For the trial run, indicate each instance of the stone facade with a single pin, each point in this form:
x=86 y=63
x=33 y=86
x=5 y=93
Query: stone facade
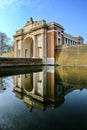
x=39 y=40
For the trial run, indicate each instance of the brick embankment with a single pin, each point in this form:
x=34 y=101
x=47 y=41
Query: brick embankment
x=7 y=62
x=72 y=55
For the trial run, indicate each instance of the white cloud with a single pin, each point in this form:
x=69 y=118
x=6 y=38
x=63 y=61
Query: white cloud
x=5 y=3
x=16 y=3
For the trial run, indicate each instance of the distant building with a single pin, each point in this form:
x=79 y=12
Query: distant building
x=39 y=40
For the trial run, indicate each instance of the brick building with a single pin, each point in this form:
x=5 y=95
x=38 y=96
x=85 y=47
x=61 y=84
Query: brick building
x=39 y=40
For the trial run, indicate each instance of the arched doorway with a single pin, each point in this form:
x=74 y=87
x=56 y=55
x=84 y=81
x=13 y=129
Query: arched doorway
x=28 y=47
x=28 y=82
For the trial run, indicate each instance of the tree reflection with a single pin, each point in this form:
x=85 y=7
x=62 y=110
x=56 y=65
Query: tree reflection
x=2 y=86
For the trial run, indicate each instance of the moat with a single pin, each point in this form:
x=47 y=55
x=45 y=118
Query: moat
x=43 y=98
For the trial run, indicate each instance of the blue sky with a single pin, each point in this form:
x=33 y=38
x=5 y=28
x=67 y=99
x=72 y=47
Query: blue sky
x=71 y=14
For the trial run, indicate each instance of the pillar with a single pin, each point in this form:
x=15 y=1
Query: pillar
x=21 y=48
x=16 y=49
x=34 y=47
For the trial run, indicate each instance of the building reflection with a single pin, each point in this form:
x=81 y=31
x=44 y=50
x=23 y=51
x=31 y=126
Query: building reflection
x=41 y=90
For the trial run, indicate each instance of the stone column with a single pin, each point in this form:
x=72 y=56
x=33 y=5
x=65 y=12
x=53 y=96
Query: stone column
x=34 y=47
x=16 y=48
x=64 y=41
x=44 y=45
x=34 y=83
x=21 y=48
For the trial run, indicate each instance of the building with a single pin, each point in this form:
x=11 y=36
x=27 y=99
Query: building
x=39 y=40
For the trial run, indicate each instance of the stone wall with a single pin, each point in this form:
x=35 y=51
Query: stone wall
x=8 y=54
x=71 y=55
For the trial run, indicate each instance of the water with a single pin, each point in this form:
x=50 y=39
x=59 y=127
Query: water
x=48 y=98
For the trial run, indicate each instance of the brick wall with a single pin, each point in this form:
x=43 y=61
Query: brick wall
x=51 y=44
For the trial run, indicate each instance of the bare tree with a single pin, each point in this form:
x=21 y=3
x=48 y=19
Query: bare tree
x=4 y=42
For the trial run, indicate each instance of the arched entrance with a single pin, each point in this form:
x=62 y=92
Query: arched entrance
x=28 y=82
x=28 y=47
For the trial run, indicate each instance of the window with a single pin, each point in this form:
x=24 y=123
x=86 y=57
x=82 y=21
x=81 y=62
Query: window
x=58 y=41
x=59 y=34
x=66 y=40
x=71 y=42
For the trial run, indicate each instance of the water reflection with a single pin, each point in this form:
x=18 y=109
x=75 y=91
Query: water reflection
x=73 y=76
x=8 y=71
x=48 y=87
x=2 y=85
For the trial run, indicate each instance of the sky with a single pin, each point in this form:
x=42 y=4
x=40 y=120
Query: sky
x=71 y=14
